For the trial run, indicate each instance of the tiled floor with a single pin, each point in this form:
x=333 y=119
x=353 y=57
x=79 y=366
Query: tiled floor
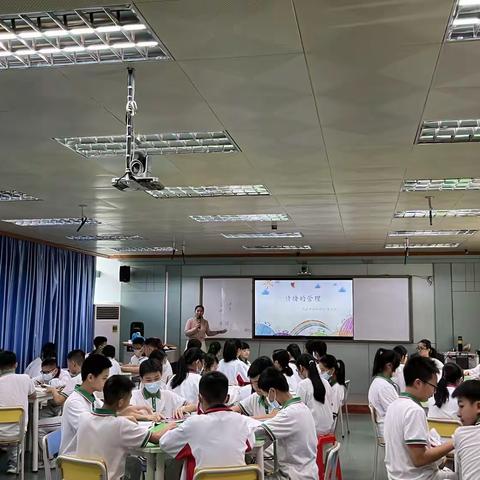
x=356 y=455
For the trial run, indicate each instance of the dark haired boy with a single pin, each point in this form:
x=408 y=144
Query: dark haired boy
x=466 y=439
x=106 y=434
x=197 y=440
x=409 y=455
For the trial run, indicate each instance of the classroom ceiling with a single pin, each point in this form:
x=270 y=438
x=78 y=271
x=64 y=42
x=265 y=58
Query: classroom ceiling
x=323 y=97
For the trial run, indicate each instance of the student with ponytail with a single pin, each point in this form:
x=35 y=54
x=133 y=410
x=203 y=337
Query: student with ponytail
x=231 y=366
x=398 y=377
x=189 y=367
x=442 y=405
x=316 y=393
x=281 y=361
x=333 y=371
x=383 y=391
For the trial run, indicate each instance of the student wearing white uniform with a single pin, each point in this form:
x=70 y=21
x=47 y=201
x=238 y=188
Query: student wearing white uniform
x=244 y=353
x=217 y=438
x=98 y=343
x=383 y=391
x=234 y=369
x=333 y=371
x=75 y=360
x=187 y=379
x=95 y=370
x=109 y=437
x=294 y=352
x=35 y=366
x=425 y=349
x=397 y=377
x=14 y=392
x=408 y=455
x=167 y=373
x=442 y=405
x=316 y=394
x=109 y=352
x=163 y=402
x=255 y=405
x=293 y=427
x=281 y=359
x=466 y=439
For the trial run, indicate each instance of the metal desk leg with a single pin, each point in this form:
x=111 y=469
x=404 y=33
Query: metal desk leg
x=259 y=459
x=160 y=467
x=36 y=413
x=150 y=473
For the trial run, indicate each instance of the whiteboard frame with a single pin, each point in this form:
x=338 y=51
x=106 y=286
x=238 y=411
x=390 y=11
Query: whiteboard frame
x=200 y=301
x=322 y=277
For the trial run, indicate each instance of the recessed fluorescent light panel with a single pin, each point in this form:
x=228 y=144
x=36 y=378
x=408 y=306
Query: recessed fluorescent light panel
x=14 y=196
x=464 y=23
x=441 y=184
x=254 y=217
x=77 y=37
x=463 y=212
x=154 y=144
x=143 y=249
x=50 y=222
x=423 y=245
x=450 y=131
x=277 y=247
x=212 y=191
x=431 y=233
x=103 y=237
x=263 y=235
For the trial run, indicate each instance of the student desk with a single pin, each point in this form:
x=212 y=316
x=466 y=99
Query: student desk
x=156 y=457
x=40 y=397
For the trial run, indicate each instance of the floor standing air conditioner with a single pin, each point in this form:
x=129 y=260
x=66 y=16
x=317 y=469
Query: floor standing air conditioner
x=107 y=324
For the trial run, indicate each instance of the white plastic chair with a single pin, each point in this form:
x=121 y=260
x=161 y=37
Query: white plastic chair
x=332 y=462
x=50 y=450
x=12 y=416
x=345 y=404
x=379 y=440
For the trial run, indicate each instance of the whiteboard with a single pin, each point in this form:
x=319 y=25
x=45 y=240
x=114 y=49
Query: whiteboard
x=228 y=304
x=381 y=309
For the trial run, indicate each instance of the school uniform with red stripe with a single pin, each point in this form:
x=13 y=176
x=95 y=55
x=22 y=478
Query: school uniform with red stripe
x=218 y=438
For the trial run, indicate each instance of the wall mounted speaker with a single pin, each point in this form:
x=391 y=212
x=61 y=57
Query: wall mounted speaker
x=124 y=273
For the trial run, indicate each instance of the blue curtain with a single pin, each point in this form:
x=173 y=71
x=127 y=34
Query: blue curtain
x=46 y=294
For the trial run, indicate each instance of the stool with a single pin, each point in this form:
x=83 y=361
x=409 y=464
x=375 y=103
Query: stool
x=324 y=440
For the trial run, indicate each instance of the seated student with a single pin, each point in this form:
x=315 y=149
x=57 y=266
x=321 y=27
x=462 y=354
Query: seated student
x=137 y=358
x=244 y=353
x=398 y=374
x=255 y=404
x=442 y=405
x=109 y=352
x=98 y=344
x=167 y=372
x=408 y=454
x=210 y=364
x=383 y=391
x=35 y=366
x=163 y=402
x=215 y=348
x=333 y=371
x=316 y=394
x=152 y=344
x=15 y=391
x=185 y=382
x=234 y=369
x=109 y=436
x=426 y=350
x=281 y=360
x=95 y=370
x=316 y=348
x=193 y=343
x=51 y=374
x=293 y=427
x=466 y=439
x=219 y=438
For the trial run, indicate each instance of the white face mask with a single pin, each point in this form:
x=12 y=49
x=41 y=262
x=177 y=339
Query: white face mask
x=272 y=404
x=152 y=387
x=138 y=353
x=326 y=376
x=47 y=377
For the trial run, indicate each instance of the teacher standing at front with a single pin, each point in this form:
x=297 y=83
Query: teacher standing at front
x=197 y=327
